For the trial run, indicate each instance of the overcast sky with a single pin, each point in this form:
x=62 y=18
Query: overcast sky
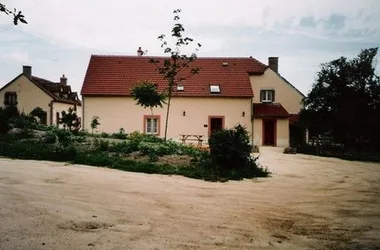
x=61 y=35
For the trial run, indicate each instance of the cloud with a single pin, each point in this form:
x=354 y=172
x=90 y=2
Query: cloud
x=16 y=56
x=61 y=35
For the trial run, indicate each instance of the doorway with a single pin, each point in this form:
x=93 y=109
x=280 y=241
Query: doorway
x=215 y=123
x=269 y=132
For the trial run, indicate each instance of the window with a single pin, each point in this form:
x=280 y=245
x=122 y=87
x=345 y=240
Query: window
x=180 y=88
x=10 y=98
x=152 y=124
x=267 y=95
x=214 y=88
x=57 y=118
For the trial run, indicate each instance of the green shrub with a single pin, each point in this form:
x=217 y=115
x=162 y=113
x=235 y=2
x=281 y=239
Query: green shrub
x=65 y=137
x=230 y=152
x=120 y=135
x=49 y=137
x=104 y=135
x=37 y=151
x=125 y=147
x=4 y=123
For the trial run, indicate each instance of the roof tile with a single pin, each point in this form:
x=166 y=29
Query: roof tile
x=116 y=75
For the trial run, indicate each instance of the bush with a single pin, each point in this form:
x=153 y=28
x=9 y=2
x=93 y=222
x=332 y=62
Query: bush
x=49 y=137
x=120 y=135
x=230 y=153
x=37 y=151
x=342 y=152
x=104 y=135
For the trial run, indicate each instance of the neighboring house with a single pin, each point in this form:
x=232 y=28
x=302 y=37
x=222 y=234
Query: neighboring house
x=27 y=92
x=226 y=92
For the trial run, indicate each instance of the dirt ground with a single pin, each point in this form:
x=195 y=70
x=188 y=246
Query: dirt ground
x=309 y=203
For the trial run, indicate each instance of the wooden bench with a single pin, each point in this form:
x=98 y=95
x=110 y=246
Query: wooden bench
x=197 y=138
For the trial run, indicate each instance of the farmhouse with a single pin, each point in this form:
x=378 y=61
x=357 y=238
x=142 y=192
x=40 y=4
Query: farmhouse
x=27 y=92
x=226 y=92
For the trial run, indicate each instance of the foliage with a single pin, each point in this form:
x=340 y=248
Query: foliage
x=345 y=102
x=176 y=68
x=104 y=135
x=94 y=123
x=17 y=15
x=147 y=96
x=39 y=113
x=4 y=122
x=340 y=151
x=230 y=152
x=50 y=137
x=120 y=135
x=70 y=119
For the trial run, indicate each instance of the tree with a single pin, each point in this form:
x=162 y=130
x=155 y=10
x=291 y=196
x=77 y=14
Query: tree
x=70 y=119
x=17 y=15
x=147 y=95
x=176 y=68
x=94 y=123
x=345 y=101
x=40 y=113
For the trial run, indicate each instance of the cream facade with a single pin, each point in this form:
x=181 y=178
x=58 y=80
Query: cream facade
x=29 y=96
x=281 y=132
x=289 y=97
x=26 y=96
x=188 y=115
x=286 y=95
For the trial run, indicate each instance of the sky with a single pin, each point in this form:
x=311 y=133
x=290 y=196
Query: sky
x=61 y=35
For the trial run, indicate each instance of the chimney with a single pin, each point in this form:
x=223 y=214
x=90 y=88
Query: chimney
x=27 y=71
x=140 y=52
x=273 y=63
x=63 y=80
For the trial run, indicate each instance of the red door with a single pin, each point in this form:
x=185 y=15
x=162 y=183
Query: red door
x=269 y=132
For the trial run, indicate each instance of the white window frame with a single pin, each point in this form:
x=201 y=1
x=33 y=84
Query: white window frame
x=267 y=93
x=180 y=88
x=152 y=125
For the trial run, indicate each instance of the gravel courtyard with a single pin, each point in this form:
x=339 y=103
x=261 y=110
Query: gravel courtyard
x=309 y=203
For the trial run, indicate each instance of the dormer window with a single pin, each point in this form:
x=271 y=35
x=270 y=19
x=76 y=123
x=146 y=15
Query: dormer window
x=215 y=89
x=267 y=95
x=180 y=88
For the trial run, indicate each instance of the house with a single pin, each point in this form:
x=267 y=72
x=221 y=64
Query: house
x=226 y=92
x=27 y=92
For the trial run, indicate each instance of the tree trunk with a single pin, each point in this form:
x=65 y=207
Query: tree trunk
x=167 y=115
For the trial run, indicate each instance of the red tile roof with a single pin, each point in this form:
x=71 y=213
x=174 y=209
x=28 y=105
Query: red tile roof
x=115 y=76
x=274 y=110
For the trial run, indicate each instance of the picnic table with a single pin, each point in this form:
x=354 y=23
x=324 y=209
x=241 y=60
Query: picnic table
x=198 y=138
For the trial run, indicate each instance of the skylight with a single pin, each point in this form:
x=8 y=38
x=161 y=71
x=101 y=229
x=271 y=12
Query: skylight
x=180 y=88
x=214 y=88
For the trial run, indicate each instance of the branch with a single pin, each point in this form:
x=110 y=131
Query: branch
x=17 y=16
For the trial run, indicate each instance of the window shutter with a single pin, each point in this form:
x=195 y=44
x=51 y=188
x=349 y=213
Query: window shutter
x=262 y=93
x=273 y=99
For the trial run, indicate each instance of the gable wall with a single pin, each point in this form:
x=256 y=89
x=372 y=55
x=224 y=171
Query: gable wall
x=29 y=96
x=285 y=94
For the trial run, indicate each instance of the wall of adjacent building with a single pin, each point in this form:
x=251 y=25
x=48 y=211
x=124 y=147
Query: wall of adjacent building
x=285 y=94
x=29 y=96
x=122 y=112
x=282 y=132
x=59 y=107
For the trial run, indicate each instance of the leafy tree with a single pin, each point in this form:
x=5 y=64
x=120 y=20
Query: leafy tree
x=147 y=96
x=70 y=119
x=17 y=15
x=176 y=68
x=345 y=101
x=40 y=113
x=94 y=123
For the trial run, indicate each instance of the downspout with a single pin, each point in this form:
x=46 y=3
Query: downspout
x=252 y=121
x=82 y=112
x=51 y=112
